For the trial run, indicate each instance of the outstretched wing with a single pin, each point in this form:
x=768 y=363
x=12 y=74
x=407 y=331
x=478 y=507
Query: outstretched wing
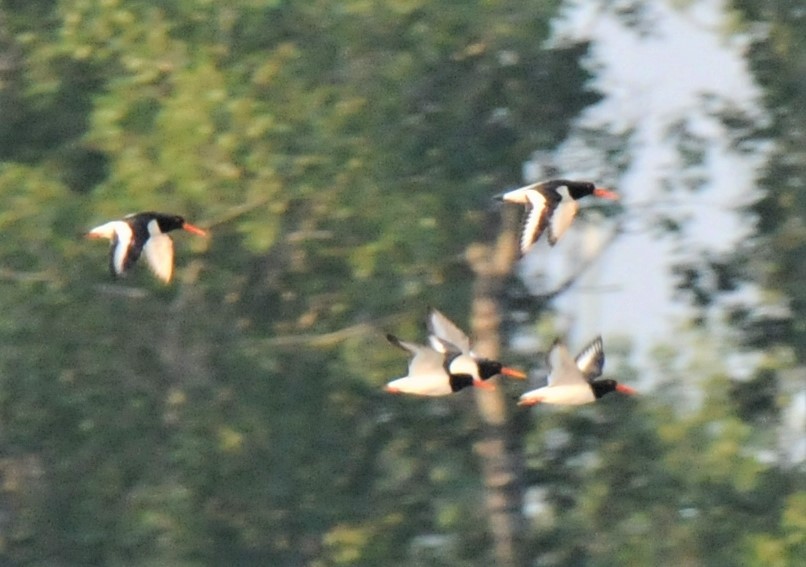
x=442 y=330
x=539 y=210
x=425 y=361
x=447 y=350
x=591 y=359
x=564 y=371
x=564 y=212
x=159 y=253
x=122 y=252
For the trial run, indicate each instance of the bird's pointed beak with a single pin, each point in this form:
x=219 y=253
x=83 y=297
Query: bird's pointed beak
x=528 y=402
x=624 y=389
x=194 y=229
x=512 y=373
x=92 y=235
x=484 y=385
x=391 y=389
x=605 y=194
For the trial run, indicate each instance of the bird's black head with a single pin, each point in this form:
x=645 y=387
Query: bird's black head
x=460 y=381
x=602 y=387
x=489 y=368
x=167 y=223
x=579 y=189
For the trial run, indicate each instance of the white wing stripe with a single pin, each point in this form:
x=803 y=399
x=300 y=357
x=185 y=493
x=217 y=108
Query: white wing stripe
x=590 y=360
x=535 y=209
x=123 y=233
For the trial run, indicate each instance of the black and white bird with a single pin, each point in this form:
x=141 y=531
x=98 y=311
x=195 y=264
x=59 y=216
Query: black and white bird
x=144 y=233
x=574 y=381
x=447 y=364
x=550 y=205
x=433 y=373
x=446 y=337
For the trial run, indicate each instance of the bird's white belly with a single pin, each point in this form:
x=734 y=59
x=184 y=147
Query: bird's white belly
x=436 y=385
x=561 y=395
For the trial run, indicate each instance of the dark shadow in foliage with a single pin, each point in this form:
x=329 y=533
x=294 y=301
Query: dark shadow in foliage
x=82 y=168
x=508 y=112
x=702 y=280
x=760 y=330
x=755 y=399
x=24 y=9
x=34 y=126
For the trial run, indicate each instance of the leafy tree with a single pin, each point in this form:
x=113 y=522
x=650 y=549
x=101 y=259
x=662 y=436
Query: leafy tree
x=343 y=155
x=339 y=152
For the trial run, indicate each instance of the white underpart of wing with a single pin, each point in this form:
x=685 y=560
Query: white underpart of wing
x=519 y=196
x=425 y=362
x=564 y=370
x=590 y=360
x=567 y=395
x=159 y=253
x=121 y=235
x=535 y=209
x=426 y=376
x=444 y=330
x=437 y=344
x=108 y=229
x=443 y=347
x=561 y=219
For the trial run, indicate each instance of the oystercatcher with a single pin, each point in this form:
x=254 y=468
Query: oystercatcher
x=433 y=373
x=147 y=233
x=446 y=337
x=550 y=204
x=573 y=381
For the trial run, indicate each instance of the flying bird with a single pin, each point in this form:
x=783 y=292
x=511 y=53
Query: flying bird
x=445 y=337
x=447 y=364
x=143 y=233
x=550 y=205
x=574 y=381
x=433 y=373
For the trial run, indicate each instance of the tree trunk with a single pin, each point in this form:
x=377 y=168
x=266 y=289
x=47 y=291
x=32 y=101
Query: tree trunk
x=501 y=461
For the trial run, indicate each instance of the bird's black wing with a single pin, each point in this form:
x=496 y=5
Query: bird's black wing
x=539 y=211
x=591 y=359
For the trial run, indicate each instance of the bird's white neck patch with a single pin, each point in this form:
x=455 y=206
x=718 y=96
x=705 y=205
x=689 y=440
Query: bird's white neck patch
x=154 y=227
x=464 y=364
x=562 y=190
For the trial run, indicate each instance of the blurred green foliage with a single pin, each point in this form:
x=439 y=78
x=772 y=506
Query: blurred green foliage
x=343 y=155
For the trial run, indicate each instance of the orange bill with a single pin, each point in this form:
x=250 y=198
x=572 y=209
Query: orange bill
x=626 y=389
x=194 y=229
x=512 y=373
x=605 y=194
